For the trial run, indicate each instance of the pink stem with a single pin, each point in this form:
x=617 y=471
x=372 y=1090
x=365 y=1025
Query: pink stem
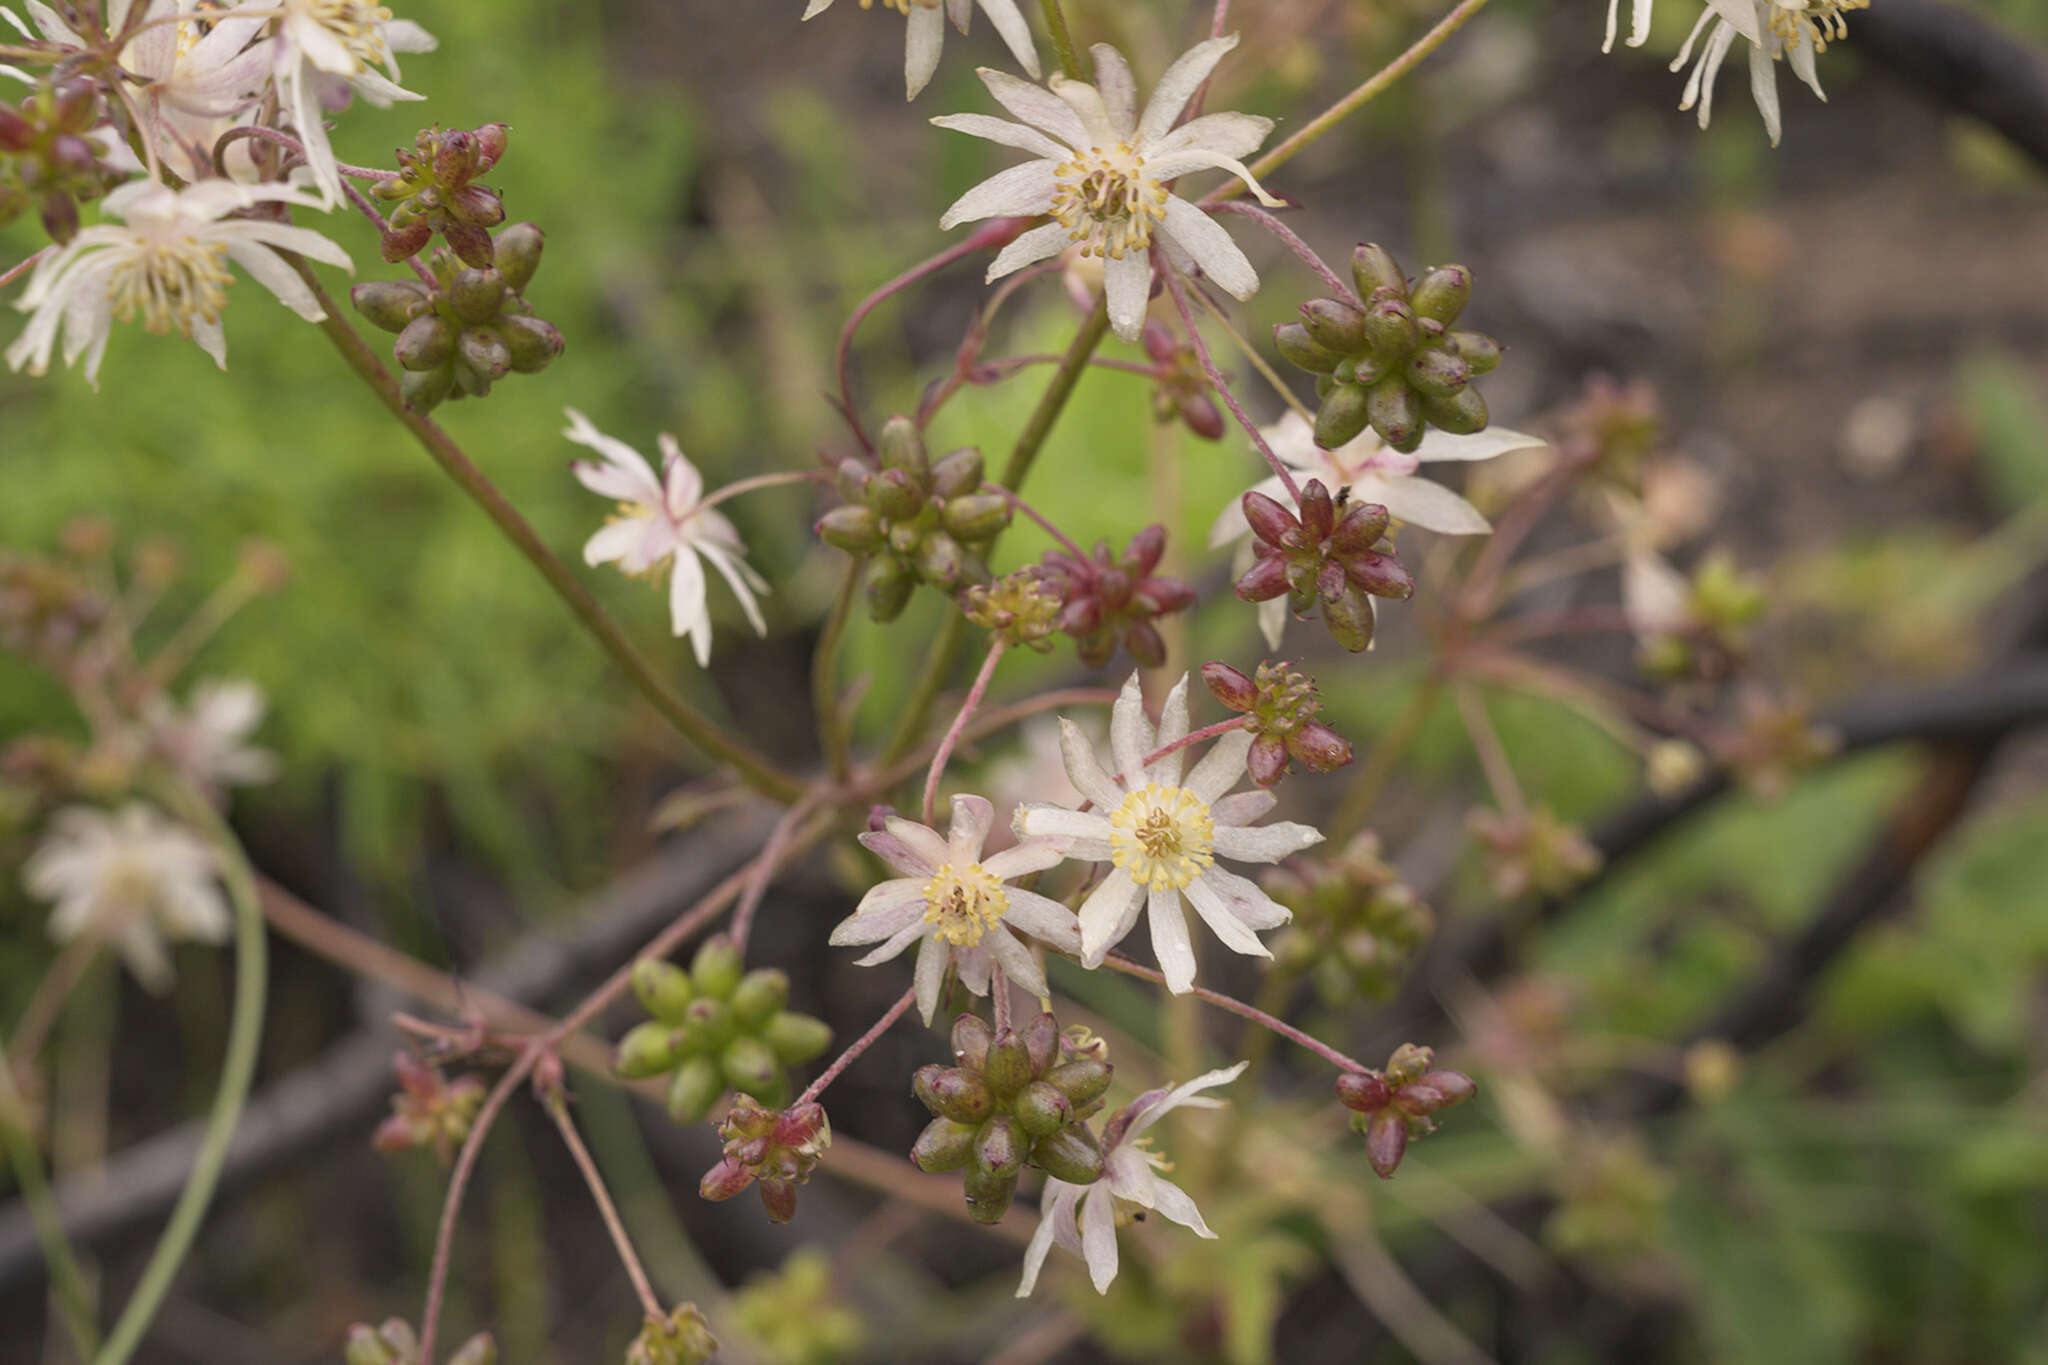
x=945 y=750
x=1340 y=286
x=764 y=870
x=1187 y=317
x=1044 y=525
x=860 y=1045
x=558 y=1109
x=18 y=271
x=1242 y=1010
x=1579 y=620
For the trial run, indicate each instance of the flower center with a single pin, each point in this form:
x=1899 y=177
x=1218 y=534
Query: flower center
x=1106 y=202
x=1815 y=21
x=173 y=284
x=963 y=903
x=358 y=24
x=1162 y=836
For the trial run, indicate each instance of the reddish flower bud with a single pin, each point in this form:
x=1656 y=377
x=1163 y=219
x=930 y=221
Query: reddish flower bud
x=1380 y=575
x=1386 y=1142
x=1264 y=581
x=1229 y=686
x=1318 y=512
x=1360 y=528
x=1267 y=760
x=1363 y=1091
x=1455 y=1086
x=724 y=1180
x=1269 y=520
x=1319 y=747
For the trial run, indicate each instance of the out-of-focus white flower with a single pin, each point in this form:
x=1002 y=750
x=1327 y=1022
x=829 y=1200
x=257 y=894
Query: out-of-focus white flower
x=1084 y=1218
x=952 y=903
x=925 y=32
x=167 y=260
x=661 y=526
x=1103 y=174
x=1638 y=23
x=207 y=742
x=1795 y=30
x=1164 y=837
x=133 y=878
x=1374 y=472
x=322 y=49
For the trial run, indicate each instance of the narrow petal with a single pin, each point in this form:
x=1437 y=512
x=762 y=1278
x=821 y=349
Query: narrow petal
x=1216 y=913
x=1205 y=240
x=1010 y=25
x=1098 y=1236
x=1173 y=728
x=688 y=612
x=1033 y=855
x=1185 y=1096
x=1036 y=105
x=1029 y=248
x=1170 y=941
x=972 y=818
x=1273 y=621
x=1245 y=900
x=1119 y=89
x=1045 y=918
x=1439 y=446
x=1130 y=733
x=1049 y=1212
x=737 y=577
x=1035 y=821
x=1127 y=285
x=1231 y=135
x=1016 y=961
x=930 y=975
x=1107 y=915
x=1178 y=86
x=924 y=37
x=895 y=944
x=1002 y=130
x=1763 y=87
x=1241 y=808
x=1222 y=766
x=1266 y=843
x=1019 y=192
x=921 y=839
x=1084 y=770
x=1171 y=1201
x=883 y=912
x=1422 y=502
x=816 y=8
x=911 y=862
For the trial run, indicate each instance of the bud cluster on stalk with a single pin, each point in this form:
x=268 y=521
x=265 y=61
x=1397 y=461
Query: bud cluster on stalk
x=1109 y=599
x=434 y=193
x=395 y=1343
x=681 y=1338
x=1279 y=708
x=1318 y=556
x=1019 y=608
x=776 y=1149
x=1533 y=851
x=717 y=1027
x=921 y=520
x=46 y=158
x=47 y=609
x=428 y=1111
x=469 y=329
x=1711 y=641
x=1399 y=1103
x=1183 y=389
x=1356 y=924
x=1393 y=362
x=1015 y=1098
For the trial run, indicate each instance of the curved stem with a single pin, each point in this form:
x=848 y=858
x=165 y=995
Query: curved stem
x=67 y=1277
x=859 y=1045
x=13 y=273
x=1257 y=361
x=558 y=1110
x=952 y=738
x=754 y=767
x=937 y=664
x=1288 y=238
x=245 y=1033
x=1044 y=524
x=1118 y=962
x=1187 y=317
x=754 y=482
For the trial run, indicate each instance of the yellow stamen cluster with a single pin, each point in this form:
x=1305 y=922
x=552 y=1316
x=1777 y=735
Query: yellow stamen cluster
x=963 y=903
x=1106 y=202
x=1162 y=836
x=1818 y=21
x=173 y=284
x=359 y=24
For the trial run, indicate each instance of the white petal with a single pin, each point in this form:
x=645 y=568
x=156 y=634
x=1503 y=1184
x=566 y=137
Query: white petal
x=1242 y=808
x=1273 y=620
x=1220 y=768
x=1019 y=192
x=1098 y=1236
x=894 y=945
x=1422 y=502
x=1244 y=900
x=1016 y=961
x=737 y=577
x=1170 y=941
x=930 y=975
x=883 y=912
x=1178 y=86
x=1084 y=770
x=1212 y=248
x=922 y=840
x=1265 y=843
x=1130 y=733
x=1003 y=131
x=1050 y=1210
x=1028 y=248
x=911 y=862
x=1127 y=287
x=1216 y=913
x=816 y=8
x=1119 y=89
x=688 y=612
x=1479 y=445
x=972 y=818
x=1107 y=915
x=1183 y=1096
x=1036 y=105
x=1036 y=821
x=1033 y=855
x=1045 y=918
x=923 y=38
x=1014 y=31
x=1171 y=1201
x=1173 y=728
x=1763 y=87
x=1231 y=135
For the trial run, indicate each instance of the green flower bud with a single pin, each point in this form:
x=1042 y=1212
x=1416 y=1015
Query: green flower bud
x=750 y=1068
x=1334 y=325
x=902 y=448
x=943 y=1146
x=648 y=1050
x=1349 y=617
x=364 y=1348
x=1461 y=414
x=517 y=254
x=532 y=343
x=1437 y=374
x=989 y=1194
x=976 y=516
x=1476 y=349
x=1300 y=350
x=481 y=1349
x=1043 y=1110
x=717 y=968
x=1008 y=1068
x=1071 y=1154
x=663 y=988
x=957 y=473
x=475 y=296
x=390 y=304
x=895 y=495
x=1001 y=1145
x=1374 y=267
x=484 y=352
x=957 y=1094
x=972 y=1038
x=760 y=996
x=1083 y=1080
x=1390 y=329
x=1441 y=293
x=852 y=528
x=1343 y=415
x=695 y=1087
x=889 y=591
x=425 y=390
x=796 y=1038
x=940 y=560
x=707 y=1025
x=427 y=343
x=1395 y=413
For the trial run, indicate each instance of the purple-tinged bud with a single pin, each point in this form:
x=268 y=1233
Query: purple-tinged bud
x=1349 y=620
x=1390 y=328
x=1229 y=686
x=77 y=107
x=484 y=352
x=902 y=447
x=1441 y=293
x=1363 y=1091
x=1264 y=581
x=1001 y=1145
x=1380 y=575
x=989 y=1193
x=390 y=304
x=16 y=132
x=1418 y=1098
x=889 y=592
x=1374 y=267
x=1360 y=528
x=779 y=1198
x=1145 y=551
x=958 y=472
x=971 y=1040
x=1159 y=343
x=1437 y=373
x=855 y=529
x=1043 y=1110
x=1081 y=617
x=516 y=254
x=1318 y=512
x=941 y=560
x=895 y=495
x=1270 y=521
x=1395 y=413
x=1455 y=1086
x=469 y=242
x=403 y=243
x=1008 y=1068
x=1334 y=325
x=1267 y=760
x=1072 y=1154
x=478 y=205
x=802 y=1126
x=455 y=160
x=427 y=343
x=475 y=296
x=724 y=1180
x=424 y=390
x=489 y=141
x=1342 y=416
x=1476 y=349
x=960 y=1095
x=72 y=157
x=1461 y=414
x=1161 y=596
x=1042 y=1042
x=1201 y=415
x=1386 y=1142
x=1083 y=1080
x=1144 y=643
x=1300 y=350
x=977 y=515
x=60 y=217
x=1319 y=748
x=944 y=1146
x=533 y=344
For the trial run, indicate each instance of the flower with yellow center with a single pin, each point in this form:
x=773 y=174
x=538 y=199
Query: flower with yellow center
x=1792 y=29
x=165 y=261
x=330 y=47
x=954 y=904
x=1162 y=836
x=925 y=33
x=1105 y=173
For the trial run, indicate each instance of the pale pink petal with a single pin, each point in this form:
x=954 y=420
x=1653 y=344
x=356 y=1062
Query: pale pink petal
x=972 y=818
x=910 y=861
x=1084 y=769
x=921 y=839
x=1220 y=768
x=1044 y=918
x=1241 y=808
x=1098 y=1236
x=886 y=909
x=1033 y=855
x=1015 y=32
x=894 y=945
x=1029 y=248
x=1119 y=89
x=932 y=956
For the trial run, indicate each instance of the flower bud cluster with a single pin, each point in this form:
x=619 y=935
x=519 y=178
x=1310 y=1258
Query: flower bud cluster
x=796 y=1314
x=1394 y=363
x=1533 y=851
x=926 y=521
x=1712 y=639
x=681 y=1338
x=1778 y=740
x=427 y=1111
x=1107 y=600
x=1392 y=1106
x=1356 y=925
x=434 y=194
x=1279 y=710
x=1343 y=562
x=717 y=1027
x=1613 y=429
x=1016 y=1098
x=468 y=330
x=46 y=158
x=1182 y=390
x=47 y=609
x=777 y=1149
x=395 y=1343
x=1018 y=608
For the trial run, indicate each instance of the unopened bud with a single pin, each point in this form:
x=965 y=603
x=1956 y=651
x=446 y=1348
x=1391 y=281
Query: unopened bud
x=1342 y=416
x=1229 y=686
x=1386 y=1142
x=648 y=1050
x=1441 y=293
x=475 y=296
x=516 y=254
x=532 y=343
x=1334 y=324
x=1374 y=267
x=1302 y=351
x=694 y=1088
x=1461 y=414
x=902 y=447
x=484 y=352
x=390 y=304
x=957 y=472
x=943 y=1146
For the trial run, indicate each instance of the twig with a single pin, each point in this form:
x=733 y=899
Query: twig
x=558 y=1109
x=1222 y=386
x=952 y=736
x=858 y=1046
x=1119 y=962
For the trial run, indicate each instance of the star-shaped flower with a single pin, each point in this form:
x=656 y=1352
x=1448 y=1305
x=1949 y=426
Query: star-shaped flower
x=320 y=51
x=925 y=32
x=132 y=878
x=207 y=741
x=1105 y=174
x=167 y=260
x=1084 y=1218
x=953 y=904
x=662 y=526
x=1164 y=837
x=1795 y=30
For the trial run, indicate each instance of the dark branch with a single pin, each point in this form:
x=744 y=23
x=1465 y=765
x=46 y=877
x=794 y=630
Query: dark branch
x=1961 y=60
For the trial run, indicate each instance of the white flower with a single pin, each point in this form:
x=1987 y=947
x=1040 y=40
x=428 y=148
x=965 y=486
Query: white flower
x=208 y=742
x=661 y=523
x=925 y=32
x=167 y=260
x=1638 y=23
x=1374 y=472
x=1084 y=1218
x=322 y=49
x=952 y=903
x=1793 y=29
x=1164 y=837
x=1104 y=174
x=132 y=878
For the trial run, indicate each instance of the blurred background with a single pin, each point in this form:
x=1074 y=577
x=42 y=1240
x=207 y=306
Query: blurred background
x=1846 y=338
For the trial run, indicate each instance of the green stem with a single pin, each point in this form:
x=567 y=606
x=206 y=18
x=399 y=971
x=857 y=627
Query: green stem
x=1073 y=365
x=754 y=767
x=67 y=1277
x=1373 y=86
x=832 y=728
x=1387 y=750
x=1062 y=41
x=245 y=1033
